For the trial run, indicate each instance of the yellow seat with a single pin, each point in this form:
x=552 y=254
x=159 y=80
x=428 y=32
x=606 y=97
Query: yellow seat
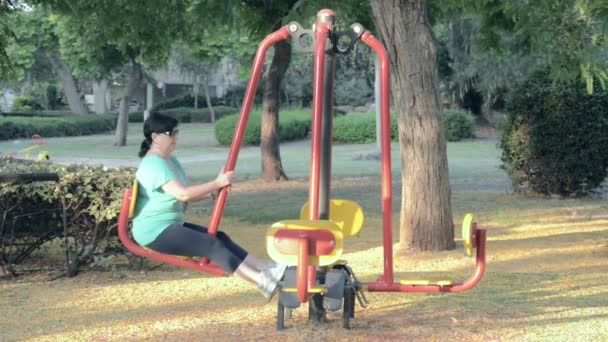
x=133 y=198
x=325 y=246
x=348 y=215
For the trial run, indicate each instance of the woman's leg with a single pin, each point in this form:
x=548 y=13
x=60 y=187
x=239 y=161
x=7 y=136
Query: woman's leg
x=177 y=240
x=233 y=246
x=249 y=258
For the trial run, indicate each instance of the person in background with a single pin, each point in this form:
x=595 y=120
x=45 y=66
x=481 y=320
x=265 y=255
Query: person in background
x=161 y=201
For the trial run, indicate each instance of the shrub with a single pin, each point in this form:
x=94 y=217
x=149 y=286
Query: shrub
x=198 y=115
x=555 y=140
x=359 y=129
x=136 y=116
x=13 y=127
x=175 y=102
x=81 y=208
x=354 y=92
x=458 y=124
x=293 y=125
x=186 y=115
x=185 y=101
x=23 y=103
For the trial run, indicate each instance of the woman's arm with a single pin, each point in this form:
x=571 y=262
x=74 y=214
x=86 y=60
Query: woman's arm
x=197 y=192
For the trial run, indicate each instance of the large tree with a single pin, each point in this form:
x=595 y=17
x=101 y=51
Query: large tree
x=264 y=17
x=568 y=35
x=35 y=37
x=141 y=31
x=426 y=214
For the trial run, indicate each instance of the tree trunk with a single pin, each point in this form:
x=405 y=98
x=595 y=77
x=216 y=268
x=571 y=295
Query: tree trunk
x=69 y=85
x=426 y=215
x=208 y=99
x=135 y=78
x=100 y=89
x=272 y=168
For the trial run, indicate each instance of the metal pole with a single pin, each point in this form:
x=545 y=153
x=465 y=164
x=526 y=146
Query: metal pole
x=378 y=107
x=239 y=133
x=326 y=135
x=323 y=26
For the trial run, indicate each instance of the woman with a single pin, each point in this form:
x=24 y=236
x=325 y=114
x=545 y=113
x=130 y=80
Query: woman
x=161 y=201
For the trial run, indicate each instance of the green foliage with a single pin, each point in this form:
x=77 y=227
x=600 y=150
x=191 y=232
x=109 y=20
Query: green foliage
x=458 y=124
x=359 y=129
x=87 y=199
x=99 y=36
x=569 y=36
x=198 y=115
x=293 y=125
x=25 y=103
x=555 y=140
x=175 y=102
x=17 y=127
x=185 y=114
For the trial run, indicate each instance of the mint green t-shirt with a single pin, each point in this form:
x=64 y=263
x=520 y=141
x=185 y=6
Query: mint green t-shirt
x=155 y=209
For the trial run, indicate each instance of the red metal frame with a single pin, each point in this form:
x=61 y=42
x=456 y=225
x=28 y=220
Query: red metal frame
x=239 y=133
x=386 y=283
x=322 y=33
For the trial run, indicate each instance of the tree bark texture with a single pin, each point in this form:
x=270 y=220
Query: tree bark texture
x=208 y=99
x=69 y=84
x=272 y=167
x=426 y=215
x=100 y=90
x=135 y=78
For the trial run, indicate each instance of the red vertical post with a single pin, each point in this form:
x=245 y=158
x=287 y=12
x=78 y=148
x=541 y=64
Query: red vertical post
x=322 y=28
x=302 y=279
x=258 y=63
x=387 y=192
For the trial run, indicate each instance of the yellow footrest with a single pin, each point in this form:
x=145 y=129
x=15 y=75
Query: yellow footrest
x=311 y=290
x=426 y=282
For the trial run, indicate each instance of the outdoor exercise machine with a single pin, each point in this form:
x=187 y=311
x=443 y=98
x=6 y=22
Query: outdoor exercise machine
x=313 y=244
x=37 y=143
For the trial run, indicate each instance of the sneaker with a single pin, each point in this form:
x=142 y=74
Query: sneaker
x=277 y=272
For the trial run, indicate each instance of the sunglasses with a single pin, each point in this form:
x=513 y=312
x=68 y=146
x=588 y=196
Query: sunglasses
x=172 y=133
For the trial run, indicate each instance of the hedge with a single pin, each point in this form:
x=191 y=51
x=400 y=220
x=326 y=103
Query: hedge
x=293 y=125
x=14 y=127
x=361 y=129
x=350 y=129
x=186 y=115
x=81 y=209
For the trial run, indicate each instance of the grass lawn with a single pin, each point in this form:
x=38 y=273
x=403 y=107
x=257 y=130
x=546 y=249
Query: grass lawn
x=547 y=261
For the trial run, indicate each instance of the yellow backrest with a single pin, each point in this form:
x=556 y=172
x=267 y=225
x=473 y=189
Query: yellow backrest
x=133 y=199
x=292 y=259
x=348 y=215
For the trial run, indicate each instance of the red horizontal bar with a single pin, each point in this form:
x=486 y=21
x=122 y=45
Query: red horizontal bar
x=468 y=284
x=320 y=242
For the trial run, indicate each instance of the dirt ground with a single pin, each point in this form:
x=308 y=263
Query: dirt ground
x=545 y=281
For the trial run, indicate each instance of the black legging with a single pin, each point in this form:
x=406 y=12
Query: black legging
x=193 y=240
